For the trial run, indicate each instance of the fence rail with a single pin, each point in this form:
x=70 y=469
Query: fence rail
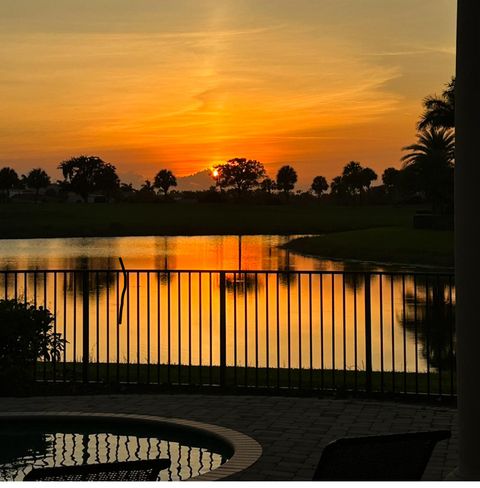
x=308 y=330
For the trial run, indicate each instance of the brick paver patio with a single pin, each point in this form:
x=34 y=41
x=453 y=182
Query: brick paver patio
x=292 y=431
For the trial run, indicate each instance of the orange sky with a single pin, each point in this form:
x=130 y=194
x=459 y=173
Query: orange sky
x=183 y=84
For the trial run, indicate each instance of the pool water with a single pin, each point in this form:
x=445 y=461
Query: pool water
x=35 y=443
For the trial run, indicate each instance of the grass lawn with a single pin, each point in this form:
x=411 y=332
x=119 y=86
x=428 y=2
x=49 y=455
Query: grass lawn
x=388 y=244
x=295 y=379
x=79 y=220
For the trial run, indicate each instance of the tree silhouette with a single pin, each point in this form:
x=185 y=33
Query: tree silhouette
x=267 y=185
x=319 y=185
x=127 y=188
x=432 y=160
x=390 y=178
x=356 y=178
x=286 y=179
x=239 y=173
x=164 y=180
x=36 y=179
x=338 y=187
x=8 y=180
x=439 y=111
x=147 y=187
x=367 y=177
x=88 y=174
x=146 y=193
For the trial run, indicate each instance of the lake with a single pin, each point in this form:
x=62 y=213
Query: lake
x=171 y=252
x=289 y=319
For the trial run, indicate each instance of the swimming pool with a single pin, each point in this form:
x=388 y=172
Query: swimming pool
x=195 y=450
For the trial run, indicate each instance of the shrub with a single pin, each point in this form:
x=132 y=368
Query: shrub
x=26 y=335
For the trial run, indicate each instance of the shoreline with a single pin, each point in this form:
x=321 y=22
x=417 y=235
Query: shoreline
x=381 y=235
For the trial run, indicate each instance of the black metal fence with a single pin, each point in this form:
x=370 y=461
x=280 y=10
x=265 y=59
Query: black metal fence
x=305 y=330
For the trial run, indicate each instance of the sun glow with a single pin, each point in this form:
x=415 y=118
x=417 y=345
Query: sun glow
x=184 y=84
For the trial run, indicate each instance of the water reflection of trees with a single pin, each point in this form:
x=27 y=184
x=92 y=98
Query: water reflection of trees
x=430 y=316
x=243 y=283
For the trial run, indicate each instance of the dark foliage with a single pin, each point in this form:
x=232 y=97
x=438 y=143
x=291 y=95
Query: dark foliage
x=89 y=174
x=26 y=335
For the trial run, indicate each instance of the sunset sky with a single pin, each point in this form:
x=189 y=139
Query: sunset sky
x=184 y=84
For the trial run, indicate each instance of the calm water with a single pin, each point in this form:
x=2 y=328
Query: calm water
x=27 y=445
x=287 y=319
x=173 y=252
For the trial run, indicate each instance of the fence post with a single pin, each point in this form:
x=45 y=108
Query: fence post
x=223 y=330
x=368 y=335
x=86 y=324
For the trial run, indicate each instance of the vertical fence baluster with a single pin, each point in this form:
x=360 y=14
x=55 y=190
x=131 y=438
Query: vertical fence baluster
x=380 y=284
x=200 y=326
x=267 y=329
x=392 y=313
x=427 y=320
x=355 y=333
x=189 y=328
x=404 y=336
x=169 y=327
x=128 y=328
x=54 y=358
x=246 y=325
x=117 y=329
x=65 y=331
x=310 y=324
x=86 y=324
x=138 y=327
x=344 y=316
x=235 y=380
x=148 y=326
x=277 y=289
x=322 y=345
x=299 y=298
x=333 y=330
x=438 y=297
x=415 y=324
x=289 y=332
x=256 y=329
x=210 y=317
x=223 y=330
x=452 y=341
x=179 y=317
x=107 y=323
x=159 y=355
x=368 y=335
x=97 y=322
x=45 y=307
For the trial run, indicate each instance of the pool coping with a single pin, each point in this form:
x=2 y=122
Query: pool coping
x=246 y=450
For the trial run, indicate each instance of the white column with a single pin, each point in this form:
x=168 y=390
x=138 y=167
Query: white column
x=467 y=236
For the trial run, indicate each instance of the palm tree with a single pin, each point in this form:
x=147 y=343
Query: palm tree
x=164 y=180
x=319 y=185
x=432 y=161
x=439 y=111
x=286 y=179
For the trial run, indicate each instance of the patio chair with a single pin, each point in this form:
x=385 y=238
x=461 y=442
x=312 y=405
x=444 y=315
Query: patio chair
x=124 y=471
x=392 y=457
